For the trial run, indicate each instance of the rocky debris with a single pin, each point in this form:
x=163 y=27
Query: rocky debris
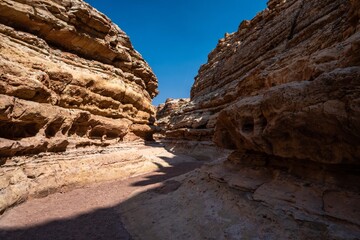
x=69 y=78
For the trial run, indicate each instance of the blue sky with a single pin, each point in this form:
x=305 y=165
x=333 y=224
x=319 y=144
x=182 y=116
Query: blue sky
x=175 y=36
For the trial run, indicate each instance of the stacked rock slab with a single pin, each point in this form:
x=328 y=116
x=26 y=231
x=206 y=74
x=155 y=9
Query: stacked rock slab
x=164 y=113
x=69 y=78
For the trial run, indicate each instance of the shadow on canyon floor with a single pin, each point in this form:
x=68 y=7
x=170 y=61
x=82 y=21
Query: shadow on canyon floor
x=99 y=224
x=164 y=173
x=102 y=223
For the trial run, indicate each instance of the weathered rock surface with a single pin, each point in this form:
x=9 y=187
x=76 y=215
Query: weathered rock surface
x=257 y=204
x=283 y=92
x=184 y=140
x=211 y=202
x=290 y=42
x=165 y=111
x=69 y=78
x=317 y=120
x=90 y=212
x=286 y=84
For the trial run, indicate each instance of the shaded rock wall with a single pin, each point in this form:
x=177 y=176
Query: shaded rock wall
x=184 y=140
x=283 y=92
x=69 y=78
x=285 y=84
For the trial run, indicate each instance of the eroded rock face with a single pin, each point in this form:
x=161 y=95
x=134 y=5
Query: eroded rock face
x=283 y=92
x=69 y=78
x=317 y=120
x=165 y=112
x=285 y=84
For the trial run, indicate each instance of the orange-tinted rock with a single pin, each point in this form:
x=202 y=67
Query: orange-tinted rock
x=69 y=75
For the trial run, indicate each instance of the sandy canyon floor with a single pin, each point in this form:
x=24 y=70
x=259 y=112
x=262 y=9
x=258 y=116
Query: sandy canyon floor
x=182 y=197
x=86 y=213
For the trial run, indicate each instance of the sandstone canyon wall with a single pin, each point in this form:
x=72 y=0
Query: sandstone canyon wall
x=283 y=92
x=69 y=78
x=285 y=84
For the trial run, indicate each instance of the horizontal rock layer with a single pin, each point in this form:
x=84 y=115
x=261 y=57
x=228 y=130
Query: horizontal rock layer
x=285 y=84
x=69 y=78
x=164 y=112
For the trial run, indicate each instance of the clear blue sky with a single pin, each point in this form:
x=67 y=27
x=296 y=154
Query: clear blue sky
x=175 y=36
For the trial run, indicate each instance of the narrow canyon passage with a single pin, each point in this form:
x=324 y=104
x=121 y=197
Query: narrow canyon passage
x=87 y=213
x=267 y=146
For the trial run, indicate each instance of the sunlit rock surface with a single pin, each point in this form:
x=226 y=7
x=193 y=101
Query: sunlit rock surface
x=69 y=79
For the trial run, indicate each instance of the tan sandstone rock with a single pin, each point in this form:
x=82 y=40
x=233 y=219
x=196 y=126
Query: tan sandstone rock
x=69 y=77
x=71 y=84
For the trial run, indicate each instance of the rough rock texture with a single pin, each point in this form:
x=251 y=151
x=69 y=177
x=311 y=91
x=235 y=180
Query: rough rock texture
x=291 y=41
x=184 y=140
x=219 y=203
x=286 y=84
x=165 y=112
x=317 y=120
x=69 y=78
x=90 y=212
x=283 y=92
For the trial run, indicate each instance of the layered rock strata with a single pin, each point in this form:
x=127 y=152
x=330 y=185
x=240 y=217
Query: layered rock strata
x=184 y=143
x=165 y=111
x=69 y=78
x=289 y=42
x=285 y=85
x=283 y=93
